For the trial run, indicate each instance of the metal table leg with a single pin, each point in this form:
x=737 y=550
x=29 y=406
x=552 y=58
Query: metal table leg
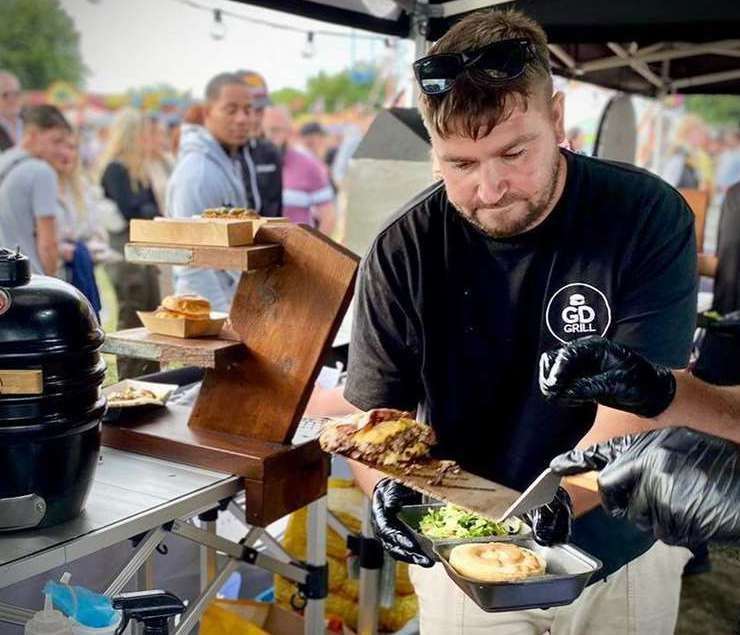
x=207 y=557
x=191 y=618
x=141 y=556
x=316 y=555
x=367 y=618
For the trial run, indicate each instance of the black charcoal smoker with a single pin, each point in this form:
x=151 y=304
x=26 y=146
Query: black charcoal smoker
x=50 y=401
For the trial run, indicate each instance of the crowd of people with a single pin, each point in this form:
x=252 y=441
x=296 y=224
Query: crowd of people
x=234 y=148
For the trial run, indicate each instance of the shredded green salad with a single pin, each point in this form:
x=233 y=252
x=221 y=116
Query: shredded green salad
x=452 y=522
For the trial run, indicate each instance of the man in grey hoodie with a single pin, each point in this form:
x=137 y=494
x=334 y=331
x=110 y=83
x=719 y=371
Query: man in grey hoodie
x=214 y=169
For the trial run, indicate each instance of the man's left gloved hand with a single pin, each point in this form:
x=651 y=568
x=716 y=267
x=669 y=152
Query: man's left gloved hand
x=593 y=369
x=681 y=484
x=551 y=523
x=389 y=497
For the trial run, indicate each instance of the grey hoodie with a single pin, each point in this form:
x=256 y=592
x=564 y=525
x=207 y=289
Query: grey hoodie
x=205 y=176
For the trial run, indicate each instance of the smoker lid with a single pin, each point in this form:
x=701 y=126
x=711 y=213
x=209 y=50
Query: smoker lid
x=45 y=316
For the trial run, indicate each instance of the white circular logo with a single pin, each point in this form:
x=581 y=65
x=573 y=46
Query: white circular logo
x=4 y=301
x=577 y=310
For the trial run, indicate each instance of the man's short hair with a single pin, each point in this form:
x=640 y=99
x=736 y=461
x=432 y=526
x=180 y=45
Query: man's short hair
x=312 y=128
x=217 y=83
x=475 y=104
x=45 y=117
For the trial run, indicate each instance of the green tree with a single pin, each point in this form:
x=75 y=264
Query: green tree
x=717 y=109
x=39 y=43
x=337 y=91
x=292 y=98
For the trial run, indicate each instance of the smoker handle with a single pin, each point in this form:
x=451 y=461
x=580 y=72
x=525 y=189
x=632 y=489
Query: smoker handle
x=21 y=512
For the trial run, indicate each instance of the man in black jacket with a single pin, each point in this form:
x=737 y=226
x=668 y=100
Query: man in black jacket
x=265 y=155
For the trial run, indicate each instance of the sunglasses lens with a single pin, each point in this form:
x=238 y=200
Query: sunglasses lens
x=436 y=86
x=503 y=62
x=437 y=74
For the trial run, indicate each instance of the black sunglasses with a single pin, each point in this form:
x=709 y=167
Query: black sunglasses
x=502 y=61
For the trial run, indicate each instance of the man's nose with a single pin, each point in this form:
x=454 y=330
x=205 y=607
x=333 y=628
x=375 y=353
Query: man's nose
x=491 y=186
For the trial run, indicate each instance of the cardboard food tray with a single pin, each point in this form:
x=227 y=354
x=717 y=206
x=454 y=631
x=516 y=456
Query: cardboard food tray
x=184 y=327
x=194 y=231
x=568 y=571
x=411 y=515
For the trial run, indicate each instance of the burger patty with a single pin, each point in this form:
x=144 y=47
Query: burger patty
x=410 y=443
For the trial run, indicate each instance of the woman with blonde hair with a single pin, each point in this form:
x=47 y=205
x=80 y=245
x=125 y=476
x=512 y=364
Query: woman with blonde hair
x=125 y=180
x=83 y=241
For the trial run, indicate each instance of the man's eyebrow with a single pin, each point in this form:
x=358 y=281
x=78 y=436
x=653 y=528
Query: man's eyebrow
x=523 y=138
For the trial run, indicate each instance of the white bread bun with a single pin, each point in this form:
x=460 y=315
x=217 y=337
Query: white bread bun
x=189 y=306
x=496 y=561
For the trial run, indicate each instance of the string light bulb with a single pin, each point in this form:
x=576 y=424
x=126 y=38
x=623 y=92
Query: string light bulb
x=309 y=50
x=218 y=28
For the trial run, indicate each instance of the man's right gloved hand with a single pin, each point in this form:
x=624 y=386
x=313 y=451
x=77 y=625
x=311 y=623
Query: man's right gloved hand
x=593 y=369
x=389 y=497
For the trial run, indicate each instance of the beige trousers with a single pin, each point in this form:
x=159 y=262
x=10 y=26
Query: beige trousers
x=640 y=599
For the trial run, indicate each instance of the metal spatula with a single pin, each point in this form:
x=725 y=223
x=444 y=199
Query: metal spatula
x=540 y=492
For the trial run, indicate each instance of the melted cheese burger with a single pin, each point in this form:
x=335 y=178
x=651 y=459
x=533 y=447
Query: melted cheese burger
x=381 y=437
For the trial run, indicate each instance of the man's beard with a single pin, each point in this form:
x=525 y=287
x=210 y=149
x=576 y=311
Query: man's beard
x=535 y=210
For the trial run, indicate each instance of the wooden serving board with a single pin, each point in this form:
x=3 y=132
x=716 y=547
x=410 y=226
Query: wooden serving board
x=194 y=231
x=469 y=491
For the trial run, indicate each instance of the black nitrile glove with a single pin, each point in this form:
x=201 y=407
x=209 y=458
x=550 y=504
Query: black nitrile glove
x=595 y=369
x=682 y=485
x=551 y=523
x=389 y=497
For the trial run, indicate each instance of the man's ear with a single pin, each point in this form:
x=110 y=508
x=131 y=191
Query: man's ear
x=207 y=106
x=557 y=112
x=30 y=137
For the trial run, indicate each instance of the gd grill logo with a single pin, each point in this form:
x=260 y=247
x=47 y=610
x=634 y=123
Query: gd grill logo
x=4 y=301
x=577 y=310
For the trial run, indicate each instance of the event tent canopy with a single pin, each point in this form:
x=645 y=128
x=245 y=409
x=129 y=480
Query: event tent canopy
x=649 y=47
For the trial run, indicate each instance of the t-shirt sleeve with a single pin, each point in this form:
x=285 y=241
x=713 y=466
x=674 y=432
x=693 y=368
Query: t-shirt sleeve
x=656 y=308
x=383 y=357
x=44 y=192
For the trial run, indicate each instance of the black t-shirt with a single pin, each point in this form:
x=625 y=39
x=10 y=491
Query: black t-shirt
x=452 y=322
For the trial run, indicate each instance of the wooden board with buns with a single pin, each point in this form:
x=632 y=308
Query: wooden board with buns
x=207 y=352
x=284 y=317
x=287 y=317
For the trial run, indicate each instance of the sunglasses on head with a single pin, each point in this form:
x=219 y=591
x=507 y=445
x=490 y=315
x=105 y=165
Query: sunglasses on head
x=502 y=61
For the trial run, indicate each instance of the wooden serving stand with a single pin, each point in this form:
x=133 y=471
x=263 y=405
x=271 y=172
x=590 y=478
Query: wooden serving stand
x=295 y=286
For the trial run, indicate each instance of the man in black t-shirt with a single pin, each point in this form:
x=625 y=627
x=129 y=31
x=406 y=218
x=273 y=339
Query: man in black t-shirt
x=521 y=248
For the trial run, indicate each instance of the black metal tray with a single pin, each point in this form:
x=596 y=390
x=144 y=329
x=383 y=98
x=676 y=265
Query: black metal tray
x=567 y=574
x=411 y=516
